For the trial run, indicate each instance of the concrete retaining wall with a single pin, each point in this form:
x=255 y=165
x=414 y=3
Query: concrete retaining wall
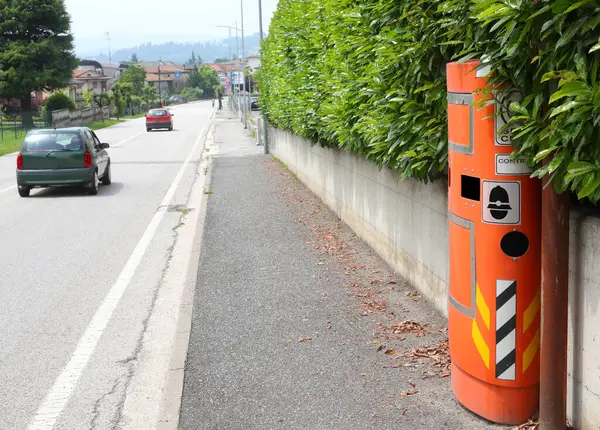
x=78 y=118
x=406 y=223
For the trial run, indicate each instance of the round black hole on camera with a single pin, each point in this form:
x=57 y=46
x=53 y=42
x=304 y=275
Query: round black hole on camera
x=514 y=244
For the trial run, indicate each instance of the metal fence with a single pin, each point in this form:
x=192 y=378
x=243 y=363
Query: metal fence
x=16 y=125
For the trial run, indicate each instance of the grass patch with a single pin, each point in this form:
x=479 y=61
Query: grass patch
x=10 y=143
x=137 y=115
x=281 y=163
x=97 y=125
x=284 y=166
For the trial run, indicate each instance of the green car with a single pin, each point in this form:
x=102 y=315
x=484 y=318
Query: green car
x=62 y=157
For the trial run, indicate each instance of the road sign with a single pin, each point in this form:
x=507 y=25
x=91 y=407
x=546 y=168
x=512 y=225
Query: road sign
x=501 y=202
x=507 y=166
x=177 y=74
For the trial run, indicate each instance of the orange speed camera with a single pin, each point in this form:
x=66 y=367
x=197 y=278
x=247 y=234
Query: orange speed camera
x=494 y=293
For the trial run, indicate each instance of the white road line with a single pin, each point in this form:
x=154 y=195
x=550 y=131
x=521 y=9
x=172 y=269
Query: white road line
x=8 y=189
x=116 y=145
x=57 y=398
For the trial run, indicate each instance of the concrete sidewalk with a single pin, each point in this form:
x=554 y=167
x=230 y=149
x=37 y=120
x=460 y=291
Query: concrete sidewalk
x=296 y=323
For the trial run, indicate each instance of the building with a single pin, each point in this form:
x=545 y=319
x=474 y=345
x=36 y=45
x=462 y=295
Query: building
x=253 y=62
x=172 y=77
x=112 y=70
x=87 y=79
x=229 y=72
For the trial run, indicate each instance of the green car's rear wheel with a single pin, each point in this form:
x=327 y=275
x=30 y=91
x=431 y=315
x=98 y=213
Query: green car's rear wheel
x=106 y=180
x=24 y=191
x=93 y=186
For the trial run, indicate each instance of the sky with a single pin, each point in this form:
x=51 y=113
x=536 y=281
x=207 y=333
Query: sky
x=135 y=22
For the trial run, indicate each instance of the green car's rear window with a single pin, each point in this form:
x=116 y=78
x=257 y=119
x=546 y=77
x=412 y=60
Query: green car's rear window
x=43 y=142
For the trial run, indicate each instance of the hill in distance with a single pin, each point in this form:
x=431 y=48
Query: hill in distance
x=181 y=52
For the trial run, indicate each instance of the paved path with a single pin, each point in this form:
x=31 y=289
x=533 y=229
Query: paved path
x=63 y=252
x=277 y=342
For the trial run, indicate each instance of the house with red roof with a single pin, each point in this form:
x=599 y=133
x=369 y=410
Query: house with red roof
x=92 y=80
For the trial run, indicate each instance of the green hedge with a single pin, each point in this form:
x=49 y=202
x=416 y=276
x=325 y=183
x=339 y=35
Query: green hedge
x=369 y=76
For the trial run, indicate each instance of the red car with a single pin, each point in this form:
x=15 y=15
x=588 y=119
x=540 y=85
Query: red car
x=159 y=118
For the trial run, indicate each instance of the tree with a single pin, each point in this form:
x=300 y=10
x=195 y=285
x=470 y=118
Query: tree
x=101 y=100
x=194 y=60
x=255 y=79
x=221 y=60
x=58 y=101
x=123 y=93
x=192 y=94
x=88 y=98
x=204 y=78
x=134 y=59
x=36 y=48
x=148 y=94
x=219 y=91
x=134 y=75
x=194 y=79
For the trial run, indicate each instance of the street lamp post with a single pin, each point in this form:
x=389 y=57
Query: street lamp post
x=237 y=50
x=107 y=35
x=260 y=19
x=237 y=46
x=159 y=87
x=243 y=67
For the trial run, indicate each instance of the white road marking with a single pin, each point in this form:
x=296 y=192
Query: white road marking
x=116 y=145
x=57 y=398
x=8 y=189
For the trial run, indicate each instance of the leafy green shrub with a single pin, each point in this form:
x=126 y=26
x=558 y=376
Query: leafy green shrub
x=369 y=77
x=548 y=50
x=192 y=94
x=58 y=101
x=365 y=76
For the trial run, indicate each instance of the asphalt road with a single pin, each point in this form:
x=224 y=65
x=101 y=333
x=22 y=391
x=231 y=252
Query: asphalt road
x=63 y=251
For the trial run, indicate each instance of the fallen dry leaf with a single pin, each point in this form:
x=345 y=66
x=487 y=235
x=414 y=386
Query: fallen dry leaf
x=529 y=425
x=375 y=305
x=368 y=294
x=439 y=354
x=406 y=326
x=324 y=294
x=390 y=352
x=304 y=339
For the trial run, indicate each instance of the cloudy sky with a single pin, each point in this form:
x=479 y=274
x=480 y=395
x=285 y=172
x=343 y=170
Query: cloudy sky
x=134 y=22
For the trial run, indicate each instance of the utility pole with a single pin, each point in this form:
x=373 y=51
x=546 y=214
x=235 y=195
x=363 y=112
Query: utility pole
x=243 y=68
x=555 y=309
x=234 y=93
x=265 y=123
x=107 y=35
x=159 y=88
x=237 y=42
x=229 y=46
x=260 y=19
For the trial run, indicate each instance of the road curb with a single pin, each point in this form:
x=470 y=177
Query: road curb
x=173 y=393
